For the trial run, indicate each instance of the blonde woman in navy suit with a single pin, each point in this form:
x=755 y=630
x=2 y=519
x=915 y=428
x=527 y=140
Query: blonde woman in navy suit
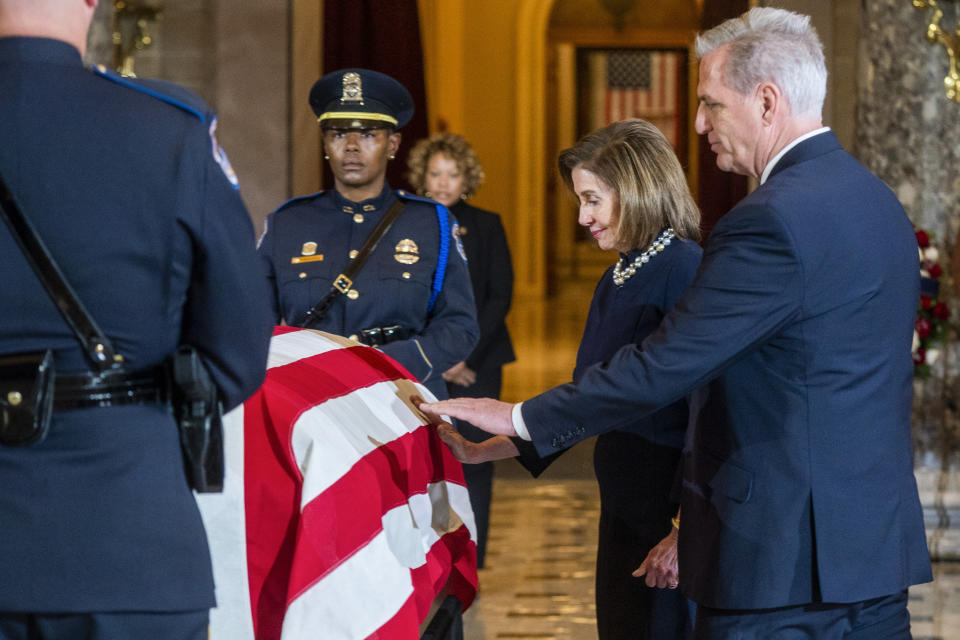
x=634 y=200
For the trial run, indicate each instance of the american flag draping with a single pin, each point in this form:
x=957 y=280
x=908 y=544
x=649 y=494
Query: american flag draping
x=637 y=83
x=343 y=515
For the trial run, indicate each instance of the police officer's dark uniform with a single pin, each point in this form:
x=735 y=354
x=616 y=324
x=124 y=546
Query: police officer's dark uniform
x=121 y=180
x=414 y=286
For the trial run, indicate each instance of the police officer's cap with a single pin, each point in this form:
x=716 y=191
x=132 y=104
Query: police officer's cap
x=360 y=99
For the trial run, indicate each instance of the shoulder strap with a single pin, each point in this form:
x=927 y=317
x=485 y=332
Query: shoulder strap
x=97 y=347
x=344 y=281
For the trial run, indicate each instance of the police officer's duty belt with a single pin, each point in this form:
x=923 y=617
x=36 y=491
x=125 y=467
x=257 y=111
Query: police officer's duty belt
x=343 y=282
x=89 y=390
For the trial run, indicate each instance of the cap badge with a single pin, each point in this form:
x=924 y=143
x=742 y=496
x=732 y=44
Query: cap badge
x=406 y=252
x=352 y=89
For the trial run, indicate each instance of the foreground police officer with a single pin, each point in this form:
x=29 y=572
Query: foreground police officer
x=100 y=537
x=413 y=297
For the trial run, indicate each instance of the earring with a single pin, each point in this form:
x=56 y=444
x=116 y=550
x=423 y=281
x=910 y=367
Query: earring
x=393 y=157
x=463 y=197
x=427 y=194
x=326 y=157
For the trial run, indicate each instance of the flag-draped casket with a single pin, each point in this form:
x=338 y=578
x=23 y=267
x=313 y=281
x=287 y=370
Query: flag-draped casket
x=343 y=515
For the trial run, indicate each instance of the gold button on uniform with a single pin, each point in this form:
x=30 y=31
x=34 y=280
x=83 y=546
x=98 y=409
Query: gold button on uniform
x=353 y=253
x=358 y=218
x=353 y=294
x=406 y=275
x=303 y=274
x=355 y=337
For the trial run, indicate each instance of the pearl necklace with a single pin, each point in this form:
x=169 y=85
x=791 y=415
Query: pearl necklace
x=622 y=272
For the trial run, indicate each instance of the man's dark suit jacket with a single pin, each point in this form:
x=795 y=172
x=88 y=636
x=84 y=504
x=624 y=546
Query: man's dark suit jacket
x=798 y=479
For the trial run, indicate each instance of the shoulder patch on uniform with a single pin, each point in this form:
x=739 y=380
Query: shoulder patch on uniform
x=266 y=228
x=159 y=90
x=220 y=156
x=455 y=232
x=299 y=199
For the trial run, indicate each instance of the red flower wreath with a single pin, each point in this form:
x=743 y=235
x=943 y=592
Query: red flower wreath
x=930 y=329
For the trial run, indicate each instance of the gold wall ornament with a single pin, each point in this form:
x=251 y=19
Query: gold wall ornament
x=950 y=42
x=131 y=33
x=618 y=10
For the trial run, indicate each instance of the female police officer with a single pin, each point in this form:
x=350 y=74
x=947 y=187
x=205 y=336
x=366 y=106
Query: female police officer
x=412 y=297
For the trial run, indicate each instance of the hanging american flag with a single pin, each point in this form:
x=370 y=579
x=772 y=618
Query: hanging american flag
x=343 y=515
x=636 y=83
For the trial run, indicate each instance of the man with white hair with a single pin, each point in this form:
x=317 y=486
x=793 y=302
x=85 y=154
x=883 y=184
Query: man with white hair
x=100 y=536
x=800 y=512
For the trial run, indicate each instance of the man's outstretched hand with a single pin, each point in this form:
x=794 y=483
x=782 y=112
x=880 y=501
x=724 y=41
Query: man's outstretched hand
x=488 y=414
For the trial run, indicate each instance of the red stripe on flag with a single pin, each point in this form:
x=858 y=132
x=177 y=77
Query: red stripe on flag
x=434 y=574
x=271 y=496
x=403 y=626
x=428 y=581
x=279 y=330
x=271 y=476
x=390 y=474
x=332 y=375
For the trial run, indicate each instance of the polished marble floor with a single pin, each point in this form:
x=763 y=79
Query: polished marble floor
x=538 y=583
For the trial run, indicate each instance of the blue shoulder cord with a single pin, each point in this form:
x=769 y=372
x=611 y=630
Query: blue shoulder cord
x=438 y=275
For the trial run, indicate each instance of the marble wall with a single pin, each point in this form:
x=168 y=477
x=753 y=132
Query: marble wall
x=906 y=127
x=906 y=132
x=235 y=55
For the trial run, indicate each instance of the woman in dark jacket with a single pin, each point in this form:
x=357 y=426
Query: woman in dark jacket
x=634 y=199
x=444 y=167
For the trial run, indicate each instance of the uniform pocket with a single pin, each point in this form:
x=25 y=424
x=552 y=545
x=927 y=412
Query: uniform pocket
x=303 y=285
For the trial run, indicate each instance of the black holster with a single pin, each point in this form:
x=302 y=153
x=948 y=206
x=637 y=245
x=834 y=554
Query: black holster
x=198 y=412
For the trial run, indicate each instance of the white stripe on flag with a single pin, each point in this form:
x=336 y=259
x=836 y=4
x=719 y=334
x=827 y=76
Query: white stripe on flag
x=287 y=348
x=353 y=600
x=341 y=604
x=349 y=427
x=223 y=518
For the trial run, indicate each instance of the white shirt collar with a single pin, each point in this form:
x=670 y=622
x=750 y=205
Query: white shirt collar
x=770 y=165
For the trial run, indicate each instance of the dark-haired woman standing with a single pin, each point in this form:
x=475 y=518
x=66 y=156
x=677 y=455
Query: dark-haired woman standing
x=445 y=168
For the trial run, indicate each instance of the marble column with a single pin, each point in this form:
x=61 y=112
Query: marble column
x=235 y=54
x=906 y=133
